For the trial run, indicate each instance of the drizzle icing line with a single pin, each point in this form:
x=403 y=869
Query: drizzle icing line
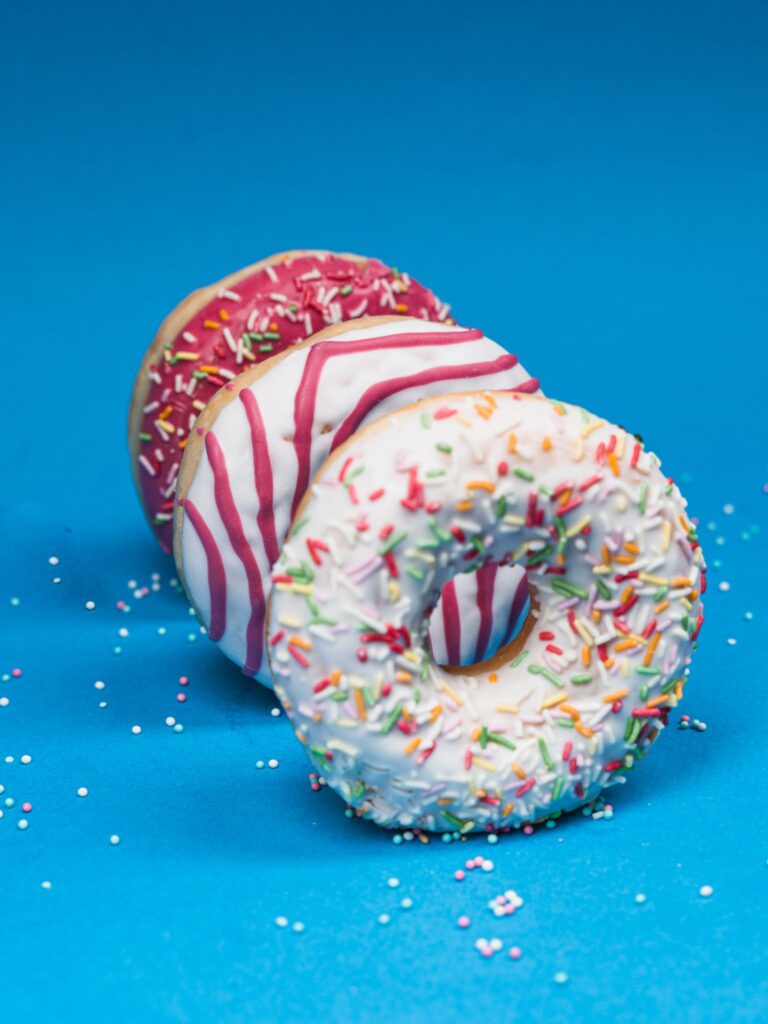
x=217 y=580
x=233 y=524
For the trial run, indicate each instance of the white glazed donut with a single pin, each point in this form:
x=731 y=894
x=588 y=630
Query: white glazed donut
x=615 y=571
x=258 y=442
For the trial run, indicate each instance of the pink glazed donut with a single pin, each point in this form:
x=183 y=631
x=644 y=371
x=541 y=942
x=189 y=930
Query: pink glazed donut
x=242 y=320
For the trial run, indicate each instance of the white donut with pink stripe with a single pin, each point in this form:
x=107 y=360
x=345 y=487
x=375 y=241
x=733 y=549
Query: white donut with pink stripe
x=260 y=440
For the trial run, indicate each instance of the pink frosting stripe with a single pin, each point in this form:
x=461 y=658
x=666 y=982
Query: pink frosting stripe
x=230 y=517
x=528 y=387
x=486 y=578
x=384 y=389
x=318 y=356
x=217 y=580
x=451 y=623
x=262 y=475
x=518 y=603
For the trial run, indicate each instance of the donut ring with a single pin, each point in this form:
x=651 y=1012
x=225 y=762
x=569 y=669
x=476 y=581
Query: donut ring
x=255 y=447
x=241 y=320
x=615 y=571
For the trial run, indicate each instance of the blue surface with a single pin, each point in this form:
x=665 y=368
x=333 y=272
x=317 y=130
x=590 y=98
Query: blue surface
x=587 y=182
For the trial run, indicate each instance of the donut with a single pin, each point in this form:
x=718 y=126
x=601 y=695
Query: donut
x=255 y=447
x=242 y=320
x=615 y=572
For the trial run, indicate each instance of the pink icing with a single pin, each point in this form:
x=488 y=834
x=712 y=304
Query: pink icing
x=272 y=309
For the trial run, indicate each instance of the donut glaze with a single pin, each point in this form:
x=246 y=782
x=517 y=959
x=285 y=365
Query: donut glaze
x=244 y=319
x=615 y=571
x=256 y=447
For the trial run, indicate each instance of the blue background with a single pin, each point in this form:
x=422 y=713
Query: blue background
x=585 y=181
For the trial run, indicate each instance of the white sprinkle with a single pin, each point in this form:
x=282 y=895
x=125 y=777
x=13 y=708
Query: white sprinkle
x=281 y=922
x=706 y=891
x=53 y=560
x=115 y=840
x=90 y=605
x=728 y=509
x=170 y=720
x=23 y=823
x=383 y=919
x=99 y=684
x=640 y=897
x=135 y=729
x=273 y=762
x=406 y=903
x=731 y=641
x=275 y=712
x=725 y=586
x=45 y=885
x=393 y=883
x=560 y=977
x=298 y=926
x=82 y=791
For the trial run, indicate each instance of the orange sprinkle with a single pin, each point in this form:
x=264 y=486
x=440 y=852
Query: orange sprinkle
x=507 y=810
x=613 y=463
x=573 y=712
x=626 y=593
x=435 y=713
x=546 y=444
x=481 y=485
x=484 y=411
x=212 y=325
x=183 y=444
x=648 y=656
x=609 y=662
x=166 y=412
x=209 y=369
x=493 y=678
x=512 y=443
x=362 y=711
x=299 y=641
x=586 y=655
x=403 y=677
x=661 y=607
x=519 y=772
x=606 y=554
x=583 y=730
x=413 y=745
x=658 y=701
x=609 y=698
x=335 y=677
x=488 y=396
x=475 y=734
x=464 y=506
x=596 y=615
x=679 y=689
x=565 y=497
x=401 y=307
x=624 y=559
x=681 y=581
x=625 y=645
x=631 y=546
x=223 y=314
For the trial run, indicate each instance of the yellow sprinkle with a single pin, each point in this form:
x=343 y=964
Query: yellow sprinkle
x=507 y=709
x=485 y=765
x=584 y=633
x=550 y=702
x=609 y=698
x=592 y=426
x=577 y=527
x=198 y=405
x=295 y=588
x=578 y=454
x=666 y=531
x=290 y=621
x=657 y=581
x=187 y=357
x=409 y=655
x=413 y=745
x=452 y=693
x=299 y=641
x=393 y=591
x=167 y=428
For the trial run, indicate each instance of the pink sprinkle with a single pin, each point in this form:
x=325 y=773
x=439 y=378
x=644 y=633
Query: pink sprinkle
x=181 y=697
x=459 y=875
x=486 y=951
x=515 y=952
x=470 y=864
x=463 y=921
x=16 y=672
x=183 y=681
x=528 y=830
x=26 y=808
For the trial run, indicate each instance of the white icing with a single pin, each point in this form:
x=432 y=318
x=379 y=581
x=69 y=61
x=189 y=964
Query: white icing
x=462 y=722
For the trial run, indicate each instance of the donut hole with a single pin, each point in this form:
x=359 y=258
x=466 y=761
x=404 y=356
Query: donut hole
x=481 y=617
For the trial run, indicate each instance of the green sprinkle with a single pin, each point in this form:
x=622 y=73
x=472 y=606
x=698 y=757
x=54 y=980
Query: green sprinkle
x=557 y=789
x=145 y=437
x=435 y=472
x=346 y=290
x=392 y=542
x=425 y=420
x=501 y=508
x=272 y=335
x=415 y=574
x=518 y=659
x=300 y=525
x=581 y=679
x=443 y=447
x=568 y=589
x=643 y=499
x=545 y=756
x=524 y=474
x=540 y=670
x=603 y=589
x=391 y=720
x=267 y=346
x=649 y=671
x=494 y=737
x=339 y=695
x=484 y=737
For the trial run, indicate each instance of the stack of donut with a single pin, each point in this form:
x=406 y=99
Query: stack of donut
x=477 y=605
